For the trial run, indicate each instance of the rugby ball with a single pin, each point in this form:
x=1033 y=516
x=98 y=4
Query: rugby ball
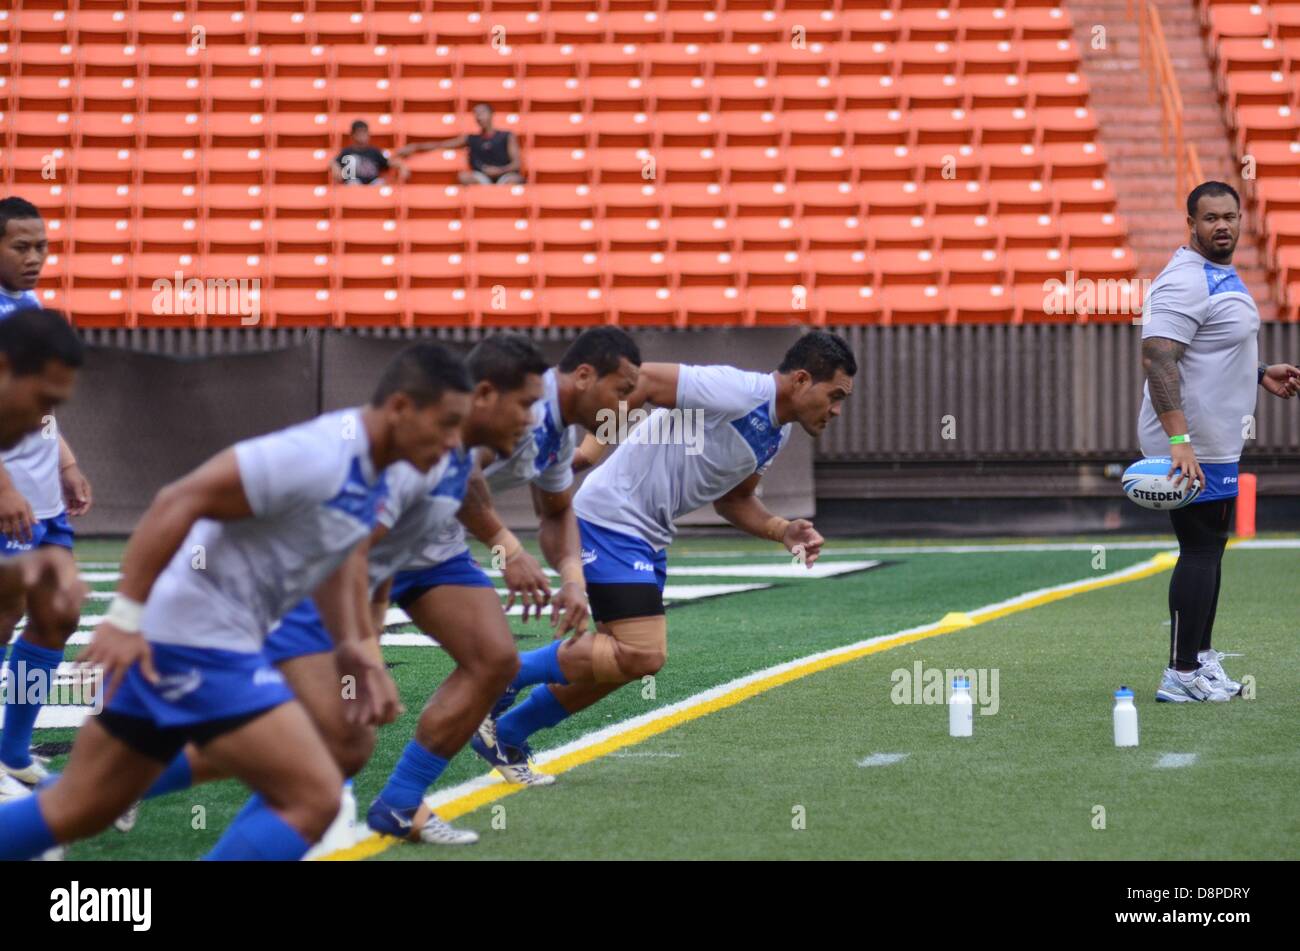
x=1146 y=484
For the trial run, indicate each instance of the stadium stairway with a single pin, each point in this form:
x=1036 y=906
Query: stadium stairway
x=1144 y=177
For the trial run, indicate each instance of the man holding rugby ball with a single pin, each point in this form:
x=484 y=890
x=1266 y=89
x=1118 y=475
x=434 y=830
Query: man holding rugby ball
x=1201 y=357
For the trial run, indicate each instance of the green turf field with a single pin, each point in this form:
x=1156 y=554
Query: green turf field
x=736 y=783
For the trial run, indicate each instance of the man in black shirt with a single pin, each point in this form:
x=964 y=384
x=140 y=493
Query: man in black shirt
x=493 y=153
x=360 y=163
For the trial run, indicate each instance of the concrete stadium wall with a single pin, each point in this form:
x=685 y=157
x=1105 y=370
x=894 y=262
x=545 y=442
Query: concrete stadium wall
x=153 y=404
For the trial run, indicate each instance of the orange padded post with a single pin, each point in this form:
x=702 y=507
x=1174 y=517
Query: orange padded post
x=1246 y=505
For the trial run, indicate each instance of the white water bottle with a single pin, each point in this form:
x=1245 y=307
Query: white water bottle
x=961 y=719
x=1126 y=718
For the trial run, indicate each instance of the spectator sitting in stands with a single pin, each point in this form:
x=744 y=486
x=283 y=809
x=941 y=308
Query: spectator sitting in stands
x=360 y=163
x=493 y=153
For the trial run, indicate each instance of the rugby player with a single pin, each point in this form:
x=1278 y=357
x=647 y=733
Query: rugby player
x=627 y=509
x=1200 y=353
x=40 y=486
x=597 y=371
x=214 y=563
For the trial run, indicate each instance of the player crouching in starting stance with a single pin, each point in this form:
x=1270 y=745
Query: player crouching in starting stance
x=626 y=513
x=275 y=519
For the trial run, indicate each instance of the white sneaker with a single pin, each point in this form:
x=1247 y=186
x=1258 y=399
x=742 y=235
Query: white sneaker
x=437 y=832
x=29 y=775
x=1212 y=669
x=1192 y=687
x=11 y=788
x=126 y=821
x=487 y=731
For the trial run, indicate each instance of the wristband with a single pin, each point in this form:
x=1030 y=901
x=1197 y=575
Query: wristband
x=506 y=541
x=775 y=528
x=571 y=572
x=1263 y=372
x=1178 y=440
x=124 y=614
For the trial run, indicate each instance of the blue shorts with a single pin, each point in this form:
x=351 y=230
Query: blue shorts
x=610 y=557
x=299 y=633
x=45 y=531
x=461 y=570
x=1220 y=482
x=199 y=684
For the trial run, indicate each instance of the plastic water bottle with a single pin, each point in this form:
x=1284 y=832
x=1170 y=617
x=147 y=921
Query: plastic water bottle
x=1126 y=718
x=961 y=719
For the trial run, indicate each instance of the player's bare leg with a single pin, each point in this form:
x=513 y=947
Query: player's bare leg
x=472 y=628
x=40 y=648
x=102 y=778
x=317 y=683
x=593 y=665
x=296 y=796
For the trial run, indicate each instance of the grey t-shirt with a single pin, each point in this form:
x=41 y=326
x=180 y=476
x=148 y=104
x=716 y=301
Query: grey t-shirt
x=543 y=456
x=314 y=494
x=1205 y=306
x=648 y=482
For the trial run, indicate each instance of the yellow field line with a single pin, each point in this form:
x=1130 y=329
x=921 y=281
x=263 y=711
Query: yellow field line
x=957 y=621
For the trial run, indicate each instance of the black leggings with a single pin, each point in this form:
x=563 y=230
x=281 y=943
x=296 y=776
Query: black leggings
x=1202 y=531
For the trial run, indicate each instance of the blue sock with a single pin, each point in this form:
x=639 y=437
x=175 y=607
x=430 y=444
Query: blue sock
x=416 y=771
x=541 y=666
x=259 y=835
x=539 y=711
x=20 y=718
x=23 y=832
x=177 y=775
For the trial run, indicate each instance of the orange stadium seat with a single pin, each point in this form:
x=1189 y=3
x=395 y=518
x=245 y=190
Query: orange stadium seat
x=932 y=150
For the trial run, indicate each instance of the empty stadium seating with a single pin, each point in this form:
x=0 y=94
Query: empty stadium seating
x=686 y=163
x=1257 y=59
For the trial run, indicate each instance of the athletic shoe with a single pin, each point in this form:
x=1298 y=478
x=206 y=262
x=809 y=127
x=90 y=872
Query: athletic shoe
x=512 y=762
x=488 y=728
x=1212 y=670
x=487 y=732
x=437 y=832
x=1195 y=689
x=32 y=775
x=383 y=818
x=11 y=788
x=126 y=821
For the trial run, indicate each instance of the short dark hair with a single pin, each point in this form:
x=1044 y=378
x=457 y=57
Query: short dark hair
x=32 y=337
x=485 y=105
x=15 y=208
x=505 y=360
x=360 y=124
x=423 y=372
x=602 y=348
x=1209 y=188
x=821 y=354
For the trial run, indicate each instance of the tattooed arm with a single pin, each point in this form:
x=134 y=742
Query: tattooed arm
x=1160 y=357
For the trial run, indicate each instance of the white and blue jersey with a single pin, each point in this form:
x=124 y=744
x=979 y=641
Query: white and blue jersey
x=426 y=538
x=33 y=464
x=1206 y=307
x=543 y=457
x=315 y=495
x=628 y=507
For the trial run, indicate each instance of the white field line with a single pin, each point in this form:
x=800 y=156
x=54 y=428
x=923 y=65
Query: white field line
x=883 y=759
